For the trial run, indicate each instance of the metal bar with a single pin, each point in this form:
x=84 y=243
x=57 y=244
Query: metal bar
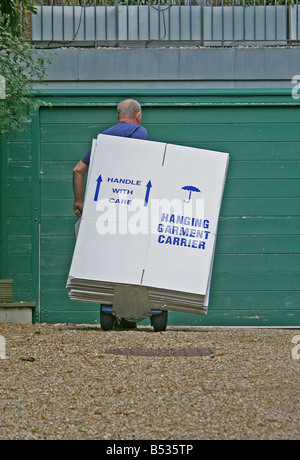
x=73 y=36
x=42 y=25
x=117 y=19
x=233 y=11
x=158 y=19
x=52 y=21
x=223 y=22
x=276 y=21
x=297 y=20
x=169 y=24
x=191 y=25
x=63 y=20
x=138 y=20
x=254 y=21
x=84 y=20
x=105 y=20
x=95 y=22
x=127 y=21
x=179 y=20
x=212 y=21
x=244 y=21
x=149 y=21
x=265 y=18
x=201 y=12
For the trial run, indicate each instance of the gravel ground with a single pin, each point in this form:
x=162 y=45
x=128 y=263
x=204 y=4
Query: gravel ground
x=59 y=382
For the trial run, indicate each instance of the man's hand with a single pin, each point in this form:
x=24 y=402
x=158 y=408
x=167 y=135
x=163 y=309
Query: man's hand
x=78 y=207
x=78 y=187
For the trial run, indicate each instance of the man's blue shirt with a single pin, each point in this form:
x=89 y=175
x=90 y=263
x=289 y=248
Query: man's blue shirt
x=121 y=129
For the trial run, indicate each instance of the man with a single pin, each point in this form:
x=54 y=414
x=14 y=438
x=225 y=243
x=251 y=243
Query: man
x=129 y=115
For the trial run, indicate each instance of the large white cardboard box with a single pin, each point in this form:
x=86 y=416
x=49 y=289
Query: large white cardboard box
x=150 y=219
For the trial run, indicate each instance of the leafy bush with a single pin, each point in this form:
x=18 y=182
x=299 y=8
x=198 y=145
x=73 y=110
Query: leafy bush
x=21 y=66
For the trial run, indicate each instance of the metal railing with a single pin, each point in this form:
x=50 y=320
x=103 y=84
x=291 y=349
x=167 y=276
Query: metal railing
x=162 y=22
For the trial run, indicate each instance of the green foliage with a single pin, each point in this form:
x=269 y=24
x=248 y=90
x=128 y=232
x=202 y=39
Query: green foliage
x=21 y=67
x=10 y=12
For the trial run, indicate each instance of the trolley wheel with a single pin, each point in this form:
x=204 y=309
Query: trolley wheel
x=159 y=322
x=127 y=324
x=107 y=320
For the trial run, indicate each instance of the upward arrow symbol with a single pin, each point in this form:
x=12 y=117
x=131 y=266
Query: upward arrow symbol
x=148 y=187
x=99 y=180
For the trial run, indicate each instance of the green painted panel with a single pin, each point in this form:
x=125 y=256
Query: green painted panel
x=57 y=207
x=22 y=283
x=19 y=170
x=260 y=207
x=230 y=207
x=255 y=281
x=54 y=301
x=60 y=264
x=261 y=225
x=67 y=133
x=57 y=245
x=23 y=296
x=224 y=263
x=19 y=264
x=19 y=151
x=184 y=115
x=262 y=188
x=177 y=133
x=242 y=188
x=17 y=226
x=55 y=282
x=235 y=244
x=19 y=245
x=64 y=115
x=255 y=300
x=220 y=282
x=55 y=170
x=59 y=225
x=264 y=169
x=216 y=318
x=236 y=317
x=72 y=317
x=19 y=207
x=239 y=150
x=58 y=188
x=19 y=189
x=257 y=264
x=66 y=151
x=258 y=244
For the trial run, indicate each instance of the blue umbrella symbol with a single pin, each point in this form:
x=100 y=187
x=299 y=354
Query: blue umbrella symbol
x=191 y=189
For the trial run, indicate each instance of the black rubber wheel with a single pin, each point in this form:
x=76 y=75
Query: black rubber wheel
x=107 y=320
x=159 y=322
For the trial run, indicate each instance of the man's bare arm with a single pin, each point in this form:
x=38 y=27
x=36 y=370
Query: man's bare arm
x=78 y=186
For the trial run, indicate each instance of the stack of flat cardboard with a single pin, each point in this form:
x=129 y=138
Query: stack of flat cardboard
x=150 y=220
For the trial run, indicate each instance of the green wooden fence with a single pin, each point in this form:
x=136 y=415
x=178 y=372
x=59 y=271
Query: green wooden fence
x=257 y=263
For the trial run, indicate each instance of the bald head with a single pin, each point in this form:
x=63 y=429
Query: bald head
x=129 y=110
